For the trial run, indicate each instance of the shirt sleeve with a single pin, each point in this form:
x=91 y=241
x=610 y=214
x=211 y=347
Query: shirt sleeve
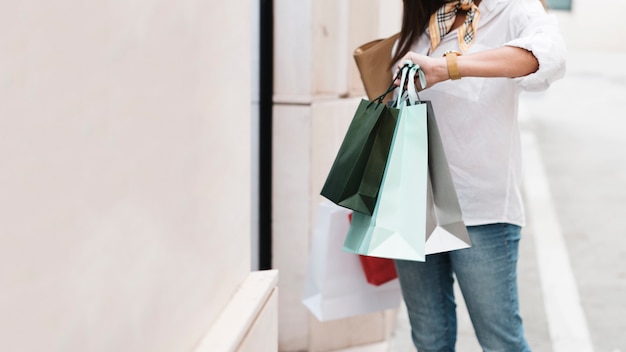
x=538 y=32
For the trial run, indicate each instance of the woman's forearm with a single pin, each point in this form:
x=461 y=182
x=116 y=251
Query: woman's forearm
x=506 y=61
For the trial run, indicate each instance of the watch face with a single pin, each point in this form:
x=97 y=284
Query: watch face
x=450 y=52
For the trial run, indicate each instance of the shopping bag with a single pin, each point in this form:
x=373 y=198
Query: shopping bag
x=335 y=286
x=445 y=229
x=355 y=176
x=404 y=218
x=392 y=231
x=378 y=270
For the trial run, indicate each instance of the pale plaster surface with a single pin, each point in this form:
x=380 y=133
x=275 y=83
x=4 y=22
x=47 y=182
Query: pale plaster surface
x=291 y=220
x=314 y=75
x=125 y=172
x=330 y=47
x=293 y=52
x=249 y=322
x=259 y=339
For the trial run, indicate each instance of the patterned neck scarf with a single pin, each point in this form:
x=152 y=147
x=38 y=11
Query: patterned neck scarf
x=441 y=22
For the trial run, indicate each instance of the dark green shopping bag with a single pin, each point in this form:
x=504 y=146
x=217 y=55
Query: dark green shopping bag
x=357 y=172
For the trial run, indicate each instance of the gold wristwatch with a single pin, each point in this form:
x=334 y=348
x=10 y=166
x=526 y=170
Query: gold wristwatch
x=453 y=66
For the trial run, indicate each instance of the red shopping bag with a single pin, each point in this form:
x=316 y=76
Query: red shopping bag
x=377 y=270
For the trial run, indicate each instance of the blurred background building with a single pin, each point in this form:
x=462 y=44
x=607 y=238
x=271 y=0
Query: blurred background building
x=159 y=156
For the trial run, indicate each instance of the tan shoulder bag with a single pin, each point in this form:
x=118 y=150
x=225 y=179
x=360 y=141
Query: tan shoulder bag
x=373 y=59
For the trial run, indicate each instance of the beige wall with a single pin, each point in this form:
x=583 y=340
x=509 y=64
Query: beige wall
x=125 y=182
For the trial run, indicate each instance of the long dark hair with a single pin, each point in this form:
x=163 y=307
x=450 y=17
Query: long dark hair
x=415 y=18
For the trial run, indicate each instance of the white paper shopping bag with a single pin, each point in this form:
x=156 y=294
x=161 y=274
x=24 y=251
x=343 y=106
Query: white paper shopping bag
x=336 y=286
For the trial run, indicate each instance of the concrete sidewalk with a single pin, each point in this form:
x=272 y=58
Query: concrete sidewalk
x=579 y=125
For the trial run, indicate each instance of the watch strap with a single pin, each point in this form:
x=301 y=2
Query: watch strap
x=453 y=66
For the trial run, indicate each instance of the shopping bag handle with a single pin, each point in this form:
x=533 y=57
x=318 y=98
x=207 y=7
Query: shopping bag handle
x=403 y=72
x=391 y=88
x=412 y=98
x=407 y=96
x=407 y=84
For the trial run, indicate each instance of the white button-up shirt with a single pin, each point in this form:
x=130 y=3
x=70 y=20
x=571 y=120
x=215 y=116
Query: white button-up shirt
x=477 y=117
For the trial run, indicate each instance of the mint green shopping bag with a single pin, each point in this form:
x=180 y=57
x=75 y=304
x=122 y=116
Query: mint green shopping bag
x=417 y=212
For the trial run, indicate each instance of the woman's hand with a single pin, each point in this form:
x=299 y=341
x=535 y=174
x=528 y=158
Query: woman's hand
x=435 y=69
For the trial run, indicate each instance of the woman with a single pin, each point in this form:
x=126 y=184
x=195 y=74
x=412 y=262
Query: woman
x=477 y=57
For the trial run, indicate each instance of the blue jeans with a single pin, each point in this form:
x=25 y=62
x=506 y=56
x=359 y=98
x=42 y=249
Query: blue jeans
x=487 y=276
